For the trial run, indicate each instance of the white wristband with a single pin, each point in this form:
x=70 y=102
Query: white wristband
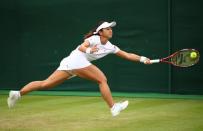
x=143 y=59
x=88 y=50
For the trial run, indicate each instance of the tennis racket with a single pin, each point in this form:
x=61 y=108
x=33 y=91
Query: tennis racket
x=181 y=58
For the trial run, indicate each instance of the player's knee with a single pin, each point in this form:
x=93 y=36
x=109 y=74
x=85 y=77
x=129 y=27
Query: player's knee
x=102 y=80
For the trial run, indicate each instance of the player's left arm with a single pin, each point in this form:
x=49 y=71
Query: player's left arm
x=133 y=57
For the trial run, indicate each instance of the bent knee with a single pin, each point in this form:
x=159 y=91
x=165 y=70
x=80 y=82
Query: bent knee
x=102 y=80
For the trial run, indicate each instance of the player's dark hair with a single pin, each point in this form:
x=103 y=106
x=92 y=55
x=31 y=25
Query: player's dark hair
x=90 y=33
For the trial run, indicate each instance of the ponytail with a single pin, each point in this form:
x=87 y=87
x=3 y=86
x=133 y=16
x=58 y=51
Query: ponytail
x=91 y=32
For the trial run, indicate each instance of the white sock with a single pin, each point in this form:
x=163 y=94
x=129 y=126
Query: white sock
x=113 y=106
x=18 y=93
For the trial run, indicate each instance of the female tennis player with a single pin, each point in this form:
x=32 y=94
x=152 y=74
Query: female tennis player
x=95 y=46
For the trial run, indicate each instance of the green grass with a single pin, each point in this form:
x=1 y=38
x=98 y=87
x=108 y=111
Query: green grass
x=74 y=113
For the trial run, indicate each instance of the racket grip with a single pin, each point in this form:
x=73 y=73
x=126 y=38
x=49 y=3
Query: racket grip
x=155 y=61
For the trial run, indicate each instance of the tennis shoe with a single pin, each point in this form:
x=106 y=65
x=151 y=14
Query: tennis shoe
x=13 y=97
x=118 y=107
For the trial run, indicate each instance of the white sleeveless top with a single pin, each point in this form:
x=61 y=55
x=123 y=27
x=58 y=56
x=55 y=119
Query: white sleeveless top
x=78 y=59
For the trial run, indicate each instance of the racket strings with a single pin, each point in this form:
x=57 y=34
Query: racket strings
x=183 y=59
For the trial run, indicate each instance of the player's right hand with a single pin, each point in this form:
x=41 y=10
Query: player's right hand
x=147 y=61
x=94 y=49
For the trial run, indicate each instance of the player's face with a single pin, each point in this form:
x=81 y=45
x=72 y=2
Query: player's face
x=107 y=32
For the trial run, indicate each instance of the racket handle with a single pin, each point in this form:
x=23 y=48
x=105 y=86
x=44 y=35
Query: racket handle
x=155 y=61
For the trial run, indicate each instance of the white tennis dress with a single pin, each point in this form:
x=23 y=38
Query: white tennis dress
x=78 y=59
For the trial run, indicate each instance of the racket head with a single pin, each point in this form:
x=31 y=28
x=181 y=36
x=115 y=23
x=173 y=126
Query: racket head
x=183 y=58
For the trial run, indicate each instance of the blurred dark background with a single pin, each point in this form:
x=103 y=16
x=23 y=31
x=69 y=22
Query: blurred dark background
x=36 y=35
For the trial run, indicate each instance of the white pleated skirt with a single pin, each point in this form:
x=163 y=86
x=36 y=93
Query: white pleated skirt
x=76 y=60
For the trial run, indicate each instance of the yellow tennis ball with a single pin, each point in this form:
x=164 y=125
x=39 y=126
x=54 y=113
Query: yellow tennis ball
x=193 y=55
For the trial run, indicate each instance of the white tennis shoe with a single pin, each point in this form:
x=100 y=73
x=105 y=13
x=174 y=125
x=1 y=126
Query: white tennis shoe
x=118 y=107
x=13 y=97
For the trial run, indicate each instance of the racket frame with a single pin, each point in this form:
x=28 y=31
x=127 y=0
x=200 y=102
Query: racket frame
x=164 y=60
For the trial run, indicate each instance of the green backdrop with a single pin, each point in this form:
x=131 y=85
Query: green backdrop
x=36 y=35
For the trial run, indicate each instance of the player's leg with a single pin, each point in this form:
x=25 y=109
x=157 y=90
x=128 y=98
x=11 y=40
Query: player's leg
x=93 y=73
x=54 y=79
